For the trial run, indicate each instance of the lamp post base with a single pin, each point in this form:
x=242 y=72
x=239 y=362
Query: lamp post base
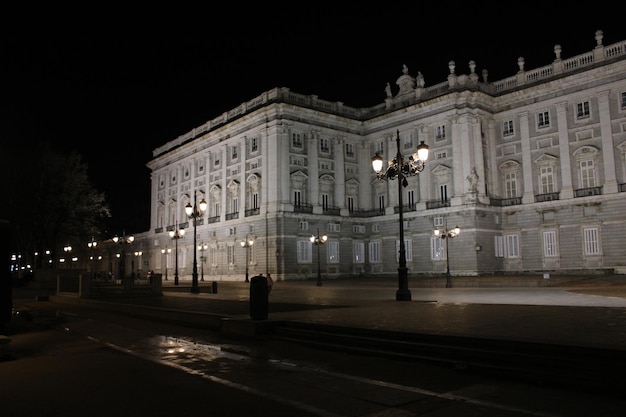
x=403 y=295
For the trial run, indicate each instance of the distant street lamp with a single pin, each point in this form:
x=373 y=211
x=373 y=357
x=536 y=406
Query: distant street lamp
x=137 y=254
x=247 y=244
x=448 y=234
x=124 y=240
x=67 y=249
x=92 y=245
x=194 y=212
x=399 y=168
x=318 y=240
x=202 y=248
x=176 y=234
x=166 y=252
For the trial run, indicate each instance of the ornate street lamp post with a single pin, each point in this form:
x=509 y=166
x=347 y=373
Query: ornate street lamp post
x=318 y=240
x=194 y=212
x=124 y=240
x=166 y=252
x=202 y=248
x=399 y=168
x=176 y=234
x=247 y=244
x=448 y=234
x=92 y=245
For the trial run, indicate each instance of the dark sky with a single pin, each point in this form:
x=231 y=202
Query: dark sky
x=120 y=83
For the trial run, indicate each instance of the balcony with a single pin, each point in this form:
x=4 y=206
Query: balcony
x=252 y=212
x=435 y=204
x=540 y=198
x=214 y=219
x=367 y=213
x=505 y=202
x=232 y=216
x=303 y=208
x=331 y=211
x=405 y=208
x=586 y=192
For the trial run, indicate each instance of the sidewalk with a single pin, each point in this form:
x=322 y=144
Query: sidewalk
x=566 y=314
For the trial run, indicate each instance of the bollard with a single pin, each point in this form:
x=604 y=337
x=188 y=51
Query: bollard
x=214 y=287
x=258 y=298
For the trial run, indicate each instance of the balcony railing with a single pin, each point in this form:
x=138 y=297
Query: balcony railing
x=505 y=202
x=622 y=187
x=331 y=211
x=434 y=204
x=586 y=192
x=303 y=208
x=405 y=208
x=214 y=219
x=367 y=213
x=231 y=216
x=252 y=212
x=539 y=198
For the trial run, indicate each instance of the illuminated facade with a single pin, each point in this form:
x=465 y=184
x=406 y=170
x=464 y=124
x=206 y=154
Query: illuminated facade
x=532 y=168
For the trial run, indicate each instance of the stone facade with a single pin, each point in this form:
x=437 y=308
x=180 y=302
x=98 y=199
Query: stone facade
x=532 y=168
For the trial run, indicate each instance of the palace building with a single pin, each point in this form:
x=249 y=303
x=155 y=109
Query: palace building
x=532 y=168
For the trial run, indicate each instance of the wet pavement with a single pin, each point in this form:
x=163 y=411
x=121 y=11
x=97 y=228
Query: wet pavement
x=569 y=314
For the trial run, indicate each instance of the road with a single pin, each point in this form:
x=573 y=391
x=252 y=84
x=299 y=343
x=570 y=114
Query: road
x=97 y=362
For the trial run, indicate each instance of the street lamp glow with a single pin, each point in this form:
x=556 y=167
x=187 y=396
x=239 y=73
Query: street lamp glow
x=202 y=247
x=399 y=168
x=318 y=240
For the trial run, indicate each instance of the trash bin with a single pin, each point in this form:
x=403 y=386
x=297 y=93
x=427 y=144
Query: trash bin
x=214 y=287
x=258 y=297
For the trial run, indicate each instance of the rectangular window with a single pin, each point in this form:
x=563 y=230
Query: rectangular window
x=591 y=241
x=304 y=251
x=374 y=252
x=350 y=204
x=381 y=203
x=234 y=152
x=410 y=202
x=255 y=200
x=408 y=141
x=507 y=128
x=325 y=198
x=443 y=190
x=333 y=252
x=254 y=144
x=510 y=184
x=359 y=252
x=587 y=174
x=583 y=110
x=213 y=256
x=304 y=225
x=349 y=150
x=549 y=244
x=438 y=221
x=440 y=132
x=437 y=252
x=324 y=145
x=512 y=246
x=408 y=250
x=297 y=194
x=231 y=254
x=498 y=244
x=546 y=178
x=543 y=119
x=296 y=140
x=623 y=100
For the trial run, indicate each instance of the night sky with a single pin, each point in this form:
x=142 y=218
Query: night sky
x=116 y=84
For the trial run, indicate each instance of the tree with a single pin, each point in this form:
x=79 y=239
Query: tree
x=48 y=199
